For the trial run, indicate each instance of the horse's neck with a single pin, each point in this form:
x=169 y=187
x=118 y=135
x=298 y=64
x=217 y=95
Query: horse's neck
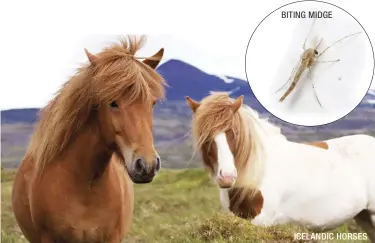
x=88 y=157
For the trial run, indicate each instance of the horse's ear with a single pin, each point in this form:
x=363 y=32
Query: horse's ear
x=194 y=105
x=92 y=58
x=237 y=103
x=153 y=61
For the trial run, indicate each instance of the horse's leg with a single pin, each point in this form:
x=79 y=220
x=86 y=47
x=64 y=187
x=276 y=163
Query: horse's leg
x=366 y=221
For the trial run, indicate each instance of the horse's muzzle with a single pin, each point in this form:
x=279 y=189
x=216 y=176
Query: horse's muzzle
x=143 y=171
x=226 y=180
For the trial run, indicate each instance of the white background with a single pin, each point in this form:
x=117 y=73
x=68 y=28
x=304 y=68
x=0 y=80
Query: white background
x=340 y=86
x=42 y=41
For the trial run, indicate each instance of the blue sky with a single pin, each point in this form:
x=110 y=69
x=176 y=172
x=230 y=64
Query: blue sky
x=44 y=40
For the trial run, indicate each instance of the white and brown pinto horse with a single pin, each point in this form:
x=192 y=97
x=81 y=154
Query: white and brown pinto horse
x=266 y=178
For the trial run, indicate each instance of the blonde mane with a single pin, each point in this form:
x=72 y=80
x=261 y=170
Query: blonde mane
x=215 y=115
x=117 y=73
x=266 y=127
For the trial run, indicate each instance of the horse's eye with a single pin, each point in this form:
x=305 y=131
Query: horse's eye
x=315 y=52
x=153 y=103
x=113 y=104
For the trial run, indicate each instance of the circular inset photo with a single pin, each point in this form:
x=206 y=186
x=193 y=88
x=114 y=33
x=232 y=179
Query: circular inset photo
x=309 y=63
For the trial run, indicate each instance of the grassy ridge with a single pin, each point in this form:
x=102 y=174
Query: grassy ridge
x=178 y=206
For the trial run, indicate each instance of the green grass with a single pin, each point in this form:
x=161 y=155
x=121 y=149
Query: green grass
x=178 y=206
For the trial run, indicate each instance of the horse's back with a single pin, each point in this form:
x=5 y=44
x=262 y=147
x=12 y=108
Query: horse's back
x=21 y=198
x=351 y=140
x=359 y=150
x=315 y=173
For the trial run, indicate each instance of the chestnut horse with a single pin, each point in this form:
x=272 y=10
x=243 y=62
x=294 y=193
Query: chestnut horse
x=94 y=139
x=269 y=180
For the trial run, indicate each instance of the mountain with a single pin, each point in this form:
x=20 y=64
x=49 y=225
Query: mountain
x=369 y=99
x=184 y=80
x=172 y=118
x=28 y=115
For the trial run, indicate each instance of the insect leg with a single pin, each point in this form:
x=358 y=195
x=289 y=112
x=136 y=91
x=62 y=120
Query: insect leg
x=304 y=43
x=320 y=42
x=334 y=61
x=312 y=82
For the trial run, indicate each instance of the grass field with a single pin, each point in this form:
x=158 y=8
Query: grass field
x=178 y=206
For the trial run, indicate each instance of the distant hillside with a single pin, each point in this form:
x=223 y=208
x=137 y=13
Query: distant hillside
x=172 y=117
x=28 y=115
x=185 y=80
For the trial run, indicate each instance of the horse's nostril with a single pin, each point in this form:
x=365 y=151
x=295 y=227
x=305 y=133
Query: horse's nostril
x=158 y=164
x=139 y=166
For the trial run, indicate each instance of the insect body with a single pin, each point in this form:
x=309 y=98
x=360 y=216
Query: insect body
x=308 y=58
